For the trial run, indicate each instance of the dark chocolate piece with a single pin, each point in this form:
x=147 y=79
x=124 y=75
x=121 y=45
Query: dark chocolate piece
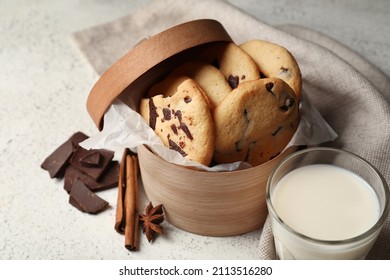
x=91 y=159
x=233 y=81
x=186 y=130
x=153 y=115
x=85 y=200
x=94 y=172
x=57 y=161
x=167 y=114
x=108 y=180
x=277 y=130
x=288 y=103
x=187 y=99
x=176 y=147
x=77 y=138
x=174 y=129
x=269 y=87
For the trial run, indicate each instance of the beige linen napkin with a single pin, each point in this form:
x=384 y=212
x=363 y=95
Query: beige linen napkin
x=351 y=94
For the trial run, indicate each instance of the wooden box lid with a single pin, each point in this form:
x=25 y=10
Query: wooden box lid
x=131 y=75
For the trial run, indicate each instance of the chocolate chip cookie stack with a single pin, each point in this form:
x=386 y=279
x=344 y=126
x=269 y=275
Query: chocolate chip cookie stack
x=231 y=103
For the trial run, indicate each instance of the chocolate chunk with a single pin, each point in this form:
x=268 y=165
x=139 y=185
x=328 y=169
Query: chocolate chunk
x=176 y=147
x=178 y=115
x=283 y=69
x=91 y=159
x=85 y=200
x=269 y=87
x=233 y=81
x=276 y=131
x=167 y=114
x=187 y=99
x=94 y=172
x=288 y=103
x=174 y=129
x=243 y=77
x=152 y=114
x=56 y=162
x=186 y=130
x=108 y=180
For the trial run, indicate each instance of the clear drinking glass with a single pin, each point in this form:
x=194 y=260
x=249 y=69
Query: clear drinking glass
x=291 y=244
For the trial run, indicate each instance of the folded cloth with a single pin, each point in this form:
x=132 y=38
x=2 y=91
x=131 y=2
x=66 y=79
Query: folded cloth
x=350 y=93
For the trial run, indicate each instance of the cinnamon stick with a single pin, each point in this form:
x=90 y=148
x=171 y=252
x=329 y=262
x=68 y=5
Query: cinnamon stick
x=127 y=213
x=136 y=210
x=119 y=216
x=129 y=204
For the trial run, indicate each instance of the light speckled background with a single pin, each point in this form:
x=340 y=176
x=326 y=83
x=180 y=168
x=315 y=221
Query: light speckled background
x=44 y=83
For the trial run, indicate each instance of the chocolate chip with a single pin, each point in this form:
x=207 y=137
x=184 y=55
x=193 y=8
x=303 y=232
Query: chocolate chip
x=167 y=114
x=153 y=115
x=269 y=87
x=283 y=69
x=288 y=103
x=186 y=130
x=174 y=129
x=233 y=81
x=175 y=147
x=243 y=77
x=187 y=99
x=276 y=131
x=178 y=115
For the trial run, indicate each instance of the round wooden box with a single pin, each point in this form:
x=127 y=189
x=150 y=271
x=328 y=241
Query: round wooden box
x=206 y=203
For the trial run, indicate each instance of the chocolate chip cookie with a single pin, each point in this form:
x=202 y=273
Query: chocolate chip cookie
x=255 y=122
x=183 y=121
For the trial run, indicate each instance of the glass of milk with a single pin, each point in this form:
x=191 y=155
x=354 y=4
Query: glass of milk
x=326 y=203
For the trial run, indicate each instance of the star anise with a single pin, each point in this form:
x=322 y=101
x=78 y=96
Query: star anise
x=151 y=221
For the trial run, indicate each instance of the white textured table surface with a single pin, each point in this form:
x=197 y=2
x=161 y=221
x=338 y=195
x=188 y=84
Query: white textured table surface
x=44 y=83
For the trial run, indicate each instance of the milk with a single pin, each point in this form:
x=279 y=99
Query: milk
x=327 y=203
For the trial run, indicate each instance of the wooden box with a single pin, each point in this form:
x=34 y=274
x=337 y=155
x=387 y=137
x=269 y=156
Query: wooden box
x=206 y=203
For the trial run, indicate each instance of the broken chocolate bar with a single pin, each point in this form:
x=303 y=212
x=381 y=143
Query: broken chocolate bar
x=91 y=159
x=107 y=181
x=93 y=171
x=57 y=161
x=85 y=200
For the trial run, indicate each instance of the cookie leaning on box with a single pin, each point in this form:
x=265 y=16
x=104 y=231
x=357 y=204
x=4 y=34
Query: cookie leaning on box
x=255 y=122
x=183 y=121
x=275 y=61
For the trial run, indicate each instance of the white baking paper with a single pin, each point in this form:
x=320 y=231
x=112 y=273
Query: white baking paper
x=125 y=128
